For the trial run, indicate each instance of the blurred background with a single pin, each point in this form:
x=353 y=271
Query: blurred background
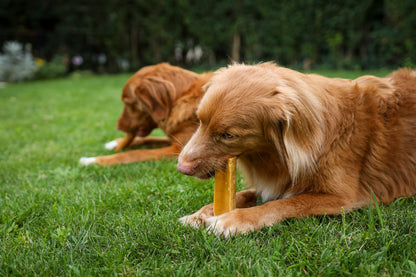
x=42 y=39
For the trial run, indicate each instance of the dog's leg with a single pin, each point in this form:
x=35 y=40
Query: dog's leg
x=133 y=156
x=148 y=141
x=243 y=199
x=240 y=221
x=151 y=141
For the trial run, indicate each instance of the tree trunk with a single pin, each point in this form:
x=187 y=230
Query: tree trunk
x=134 y=44
x=235 y=56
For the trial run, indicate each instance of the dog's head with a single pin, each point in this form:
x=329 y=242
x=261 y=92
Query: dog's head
x=248 y=109
x=148 y=97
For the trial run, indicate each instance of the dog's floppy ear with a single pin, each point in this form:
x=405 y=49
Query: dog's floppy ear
x=296 y=128
x=158 y=95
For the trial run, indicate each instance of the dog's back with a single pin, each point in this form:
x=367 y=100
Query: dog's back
x=404 y=84
x=389 y=168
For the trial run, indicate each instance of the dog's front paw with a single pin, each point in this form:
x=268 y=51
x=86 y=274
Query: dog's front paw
x=191 y=220
x=87 y=160
x=197 y=219
x=231 y=223
x=112 y=144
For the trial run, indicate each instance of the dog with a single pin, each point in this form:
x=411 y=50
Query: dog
x=307 y=145
x=158 y=96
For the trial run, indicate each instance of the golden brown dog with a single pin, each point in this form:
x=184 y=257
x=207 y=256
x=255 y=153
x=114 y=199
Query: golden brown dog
x=308 y=145
x=159 y=96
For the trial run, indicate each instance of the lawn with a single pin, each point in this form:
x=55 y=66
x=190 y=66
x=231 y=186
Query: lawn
x=60 y=218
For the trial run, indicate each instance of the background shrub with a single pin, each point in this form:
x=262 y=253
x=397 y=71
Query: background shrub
x=53 y=69
x=16 y=63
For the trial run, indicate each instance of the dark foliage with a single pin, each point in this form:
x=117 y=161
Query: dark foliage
x=115 y=35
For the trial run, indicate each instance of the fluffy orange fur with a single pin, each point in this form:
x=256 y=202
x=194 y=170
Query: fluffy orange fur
x=307 y=144
x=158 y=96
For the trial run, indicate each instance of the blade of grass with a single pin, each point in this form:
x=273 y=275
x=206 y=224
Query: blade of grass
x=377 y=207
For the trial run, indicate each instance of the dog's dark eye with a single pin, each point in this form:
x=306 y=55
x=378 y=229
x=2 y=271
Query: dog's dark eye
x=227 y=136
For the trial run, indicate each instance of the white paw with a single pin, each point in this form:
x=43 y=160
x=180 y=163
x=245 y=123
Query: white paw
x=216 y=226
x=184 y=220
x=87 y=161
x=187 y=220
x=111 y=145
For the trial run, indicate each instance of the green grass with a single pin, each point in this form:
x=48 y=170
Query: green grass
x=59 y=218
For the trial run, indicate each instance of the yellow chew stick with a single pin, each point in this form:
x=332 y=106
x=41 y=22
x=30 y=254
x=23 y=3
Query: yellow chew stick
x=224 y=188
x=125 y=142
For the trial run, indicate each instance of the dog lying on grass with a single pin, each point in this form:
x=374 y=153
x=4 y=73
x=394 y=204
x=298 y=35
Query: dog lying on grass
x=159 y=96
x=307 y=144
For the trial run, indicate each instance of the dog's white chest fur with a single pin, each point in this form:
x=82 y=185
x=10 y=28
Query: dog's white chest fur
x=268 y=188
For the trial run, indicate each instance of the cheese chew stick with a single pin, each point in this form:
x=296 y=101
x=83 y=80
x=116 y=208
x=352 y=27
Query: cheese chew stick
x=125 y=142
x=224 y=188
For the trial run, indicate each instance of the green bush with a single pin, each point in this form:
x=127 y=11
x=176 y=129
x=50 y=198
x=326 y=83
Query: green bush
x=53 y=69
